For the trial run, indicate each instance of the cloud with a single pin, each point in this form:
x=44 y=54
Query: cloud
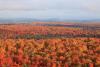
x=49 y=4
x=50 y=8
x=93 y=7
x=46 y=4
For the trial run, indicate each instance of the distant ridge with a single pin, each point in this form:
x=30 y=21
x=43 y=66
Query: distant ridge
x=25 y=20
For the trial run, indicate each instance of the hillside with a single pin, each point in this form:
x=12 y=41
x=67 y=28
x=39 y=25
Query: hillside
x=55 y=29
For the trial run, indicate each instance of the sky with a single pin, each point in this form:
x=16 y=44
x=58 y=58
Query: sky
x=61 y=10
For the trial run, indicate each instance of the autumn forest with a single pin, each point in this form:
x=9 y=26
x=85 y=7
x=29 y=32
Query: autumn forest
x=50 y=44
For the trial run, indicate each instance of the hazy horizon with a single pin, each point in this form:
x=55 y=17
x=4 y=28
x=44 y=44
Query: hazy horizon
x=49 y=10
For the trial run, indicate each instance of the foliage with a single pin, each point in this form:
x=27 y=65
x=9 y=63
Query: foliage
x=49 y=52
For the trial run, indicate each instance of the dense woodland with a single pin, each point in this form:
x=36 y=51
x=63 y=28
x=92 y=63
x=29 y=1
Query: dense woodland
x=65 y=52
x=50 y=45
x=47 y=30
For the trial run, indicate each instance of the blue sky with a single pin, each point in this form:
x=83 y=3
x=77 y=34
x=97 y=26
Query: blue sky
x=50 y=9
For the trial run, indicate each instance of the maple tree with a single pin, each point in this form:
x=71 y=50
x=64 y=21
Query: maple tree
x=49 y=52
x=50 y=45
